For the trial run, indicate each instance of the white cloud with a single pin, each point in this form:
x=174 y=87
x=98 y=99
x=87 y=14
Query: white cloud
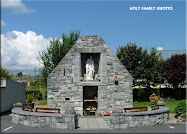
x=160 y=48
x=20 y=51
x=16 y=5
x=3 y=23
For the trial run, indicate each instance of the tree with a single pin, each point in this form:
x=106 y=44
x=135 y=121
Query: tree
x=144 y=67
x=55 y=52
x=20 y=74
x=175 y=70
x=28 y=78
x=5 y=73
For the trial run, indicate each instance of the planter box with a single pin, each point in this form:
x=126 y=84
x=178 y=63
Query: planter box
x=28 y=106
x=90 y=112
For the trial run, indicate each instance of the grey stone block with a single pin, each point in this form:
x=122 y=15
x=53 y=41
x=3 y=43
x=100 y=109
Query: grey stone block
x=26 y=123
x=54 y=119
x=34 y=124
x=61 y=120
x=52 y=125
x=62 y=125
x=15 y=120
x=44 y=125
x=117 y=110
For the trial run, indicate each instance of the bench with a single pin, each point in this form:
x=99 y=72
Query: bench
x=136 y=109
x=154 y=107
x=28 y=106
x=47 y=110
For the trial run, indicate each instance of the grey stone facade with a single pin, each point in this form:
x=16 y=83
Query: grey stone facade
x=44 y=120
x=66 y=82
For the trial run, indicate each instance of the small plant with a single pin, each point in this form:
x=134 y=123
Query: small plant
x=153 y=99
x=106 y=113
x=184 y=115
x=181 y=108
x=85 y=112
x=160 y=99
x=100 y=114
x=91 y=108
x=29 y=98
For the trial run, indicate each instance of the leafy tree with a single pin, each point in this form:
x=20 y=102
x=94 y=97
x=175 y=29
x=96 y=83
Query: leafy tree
x=55 y=52
x=20 y=74
x=39 y=83
x=175 y=70
x=5 y=73
x=144 y=67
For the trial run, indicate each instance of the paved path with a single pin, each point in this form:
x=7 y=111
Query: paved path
x=92 y=123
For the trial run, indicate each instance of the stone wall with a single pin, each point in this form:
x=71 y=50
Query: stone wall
x=44 y=120
x=139 y=119
x=67 y=81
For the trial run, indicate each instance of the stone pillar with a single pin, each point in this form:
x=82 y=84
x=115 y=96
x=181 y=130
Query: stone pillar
x=17 y=105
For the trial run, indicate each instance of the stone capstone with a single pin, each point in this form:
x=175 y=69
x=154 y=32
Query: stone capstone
x=17 y=104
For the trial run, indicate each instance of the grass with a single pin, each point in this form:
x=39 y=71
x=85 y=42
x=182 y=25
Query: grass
x=170 y=103
x=42 y=103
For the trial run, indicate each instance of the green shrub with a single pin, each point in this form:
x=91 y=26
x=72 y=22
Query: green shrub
x=29 y=98
x=36 y=93
x=184 y=115
x=45 y=95
x=181 y=108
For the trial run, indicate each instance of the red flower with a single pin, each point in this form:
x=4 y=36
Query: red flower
x=92 y=106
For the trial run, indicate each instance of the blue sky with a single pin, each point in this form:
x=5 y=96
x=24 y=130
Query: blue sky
x=113 y=20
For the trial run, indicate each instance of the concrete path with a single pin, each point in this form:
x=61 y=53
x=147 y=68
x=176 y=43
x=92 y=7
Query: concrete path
x=92 y=123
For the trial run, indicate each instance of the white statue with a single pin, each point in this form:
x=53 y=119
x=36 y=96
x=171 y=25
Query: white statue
x=90 y=69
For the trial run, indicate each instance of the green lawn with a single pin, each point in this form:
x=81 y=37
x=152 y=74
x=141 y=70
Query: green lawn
x=171 y=104
x=43 y=103
x=40 y=102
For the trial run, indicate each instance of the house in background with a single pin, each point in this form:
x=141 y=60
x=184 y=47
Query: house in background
x=11 y=93
x=23 y=79
x=166 y=54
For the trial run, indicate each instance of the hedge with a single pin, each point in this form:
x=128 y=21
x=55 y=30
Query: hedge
x=166 y=93
x=35 y=93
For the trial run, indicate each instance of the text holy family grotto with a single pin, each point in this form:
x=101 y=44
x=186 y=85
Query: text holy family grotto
x=150 y=8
